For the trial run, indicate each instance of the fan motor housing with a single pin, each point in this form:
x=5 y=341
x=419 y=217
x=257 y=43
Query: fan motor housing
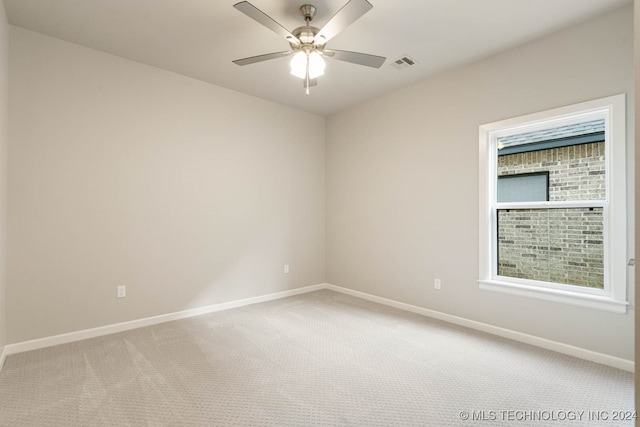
x=305 y=34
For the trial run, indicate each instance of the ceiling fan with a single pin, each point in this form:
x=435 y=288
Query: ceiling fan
x=308 y=43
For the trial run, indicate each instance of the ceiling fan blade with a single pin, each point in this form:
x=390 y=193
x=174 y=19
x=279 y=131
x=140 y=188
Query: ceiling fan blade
x=254 y=13
x=356 y=57
x=349 y=13
x=260 y=58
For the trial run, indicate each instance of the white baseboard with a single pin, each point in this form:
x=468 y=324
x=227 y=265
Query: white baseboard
x=147 y=321
x=605 y=359
x=582 y=353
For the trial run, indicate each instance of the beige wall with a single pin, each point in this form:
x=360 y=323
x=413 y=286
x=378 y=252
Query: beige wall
x=636 y=52
x=123 y=174
x=4 y=73
x=402 y=180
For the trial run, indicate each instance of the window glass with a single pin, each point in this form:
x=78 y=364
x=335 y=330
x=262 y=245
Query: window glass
x=574 y=161
x=552 y=245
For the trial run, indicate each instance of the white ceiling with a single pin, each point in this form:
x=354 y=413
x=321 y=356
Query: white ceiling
x=200 y=38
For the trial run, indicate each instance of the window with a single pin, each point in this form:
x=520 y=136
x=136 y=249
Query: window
x=553 y=205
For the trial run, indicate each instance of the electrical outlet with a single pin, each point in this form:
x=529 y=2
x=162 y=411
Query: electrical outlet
x=437 y=284
x=121 y=291
x=286 y=269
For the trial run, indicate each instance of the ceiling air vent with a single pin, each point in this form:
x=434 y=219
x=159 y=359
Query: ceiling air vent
x=405 y=61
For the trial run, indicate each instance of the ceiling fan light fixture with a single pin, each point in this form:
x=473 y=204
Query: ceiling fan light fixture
x=316 y=65
x=311 y=62
x=299 y=65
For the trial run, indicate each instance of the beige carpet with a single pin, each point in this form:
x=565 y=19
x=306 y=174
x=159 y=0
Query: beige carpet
x=323 y=358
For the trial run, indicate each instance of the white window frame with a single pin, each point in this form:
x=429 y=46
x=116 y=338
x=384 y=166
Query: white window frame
x=613 y=297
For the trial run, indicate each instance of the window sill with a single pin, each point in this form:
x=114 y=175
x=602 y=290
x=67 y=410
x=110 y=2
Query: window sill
x=565 y=297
